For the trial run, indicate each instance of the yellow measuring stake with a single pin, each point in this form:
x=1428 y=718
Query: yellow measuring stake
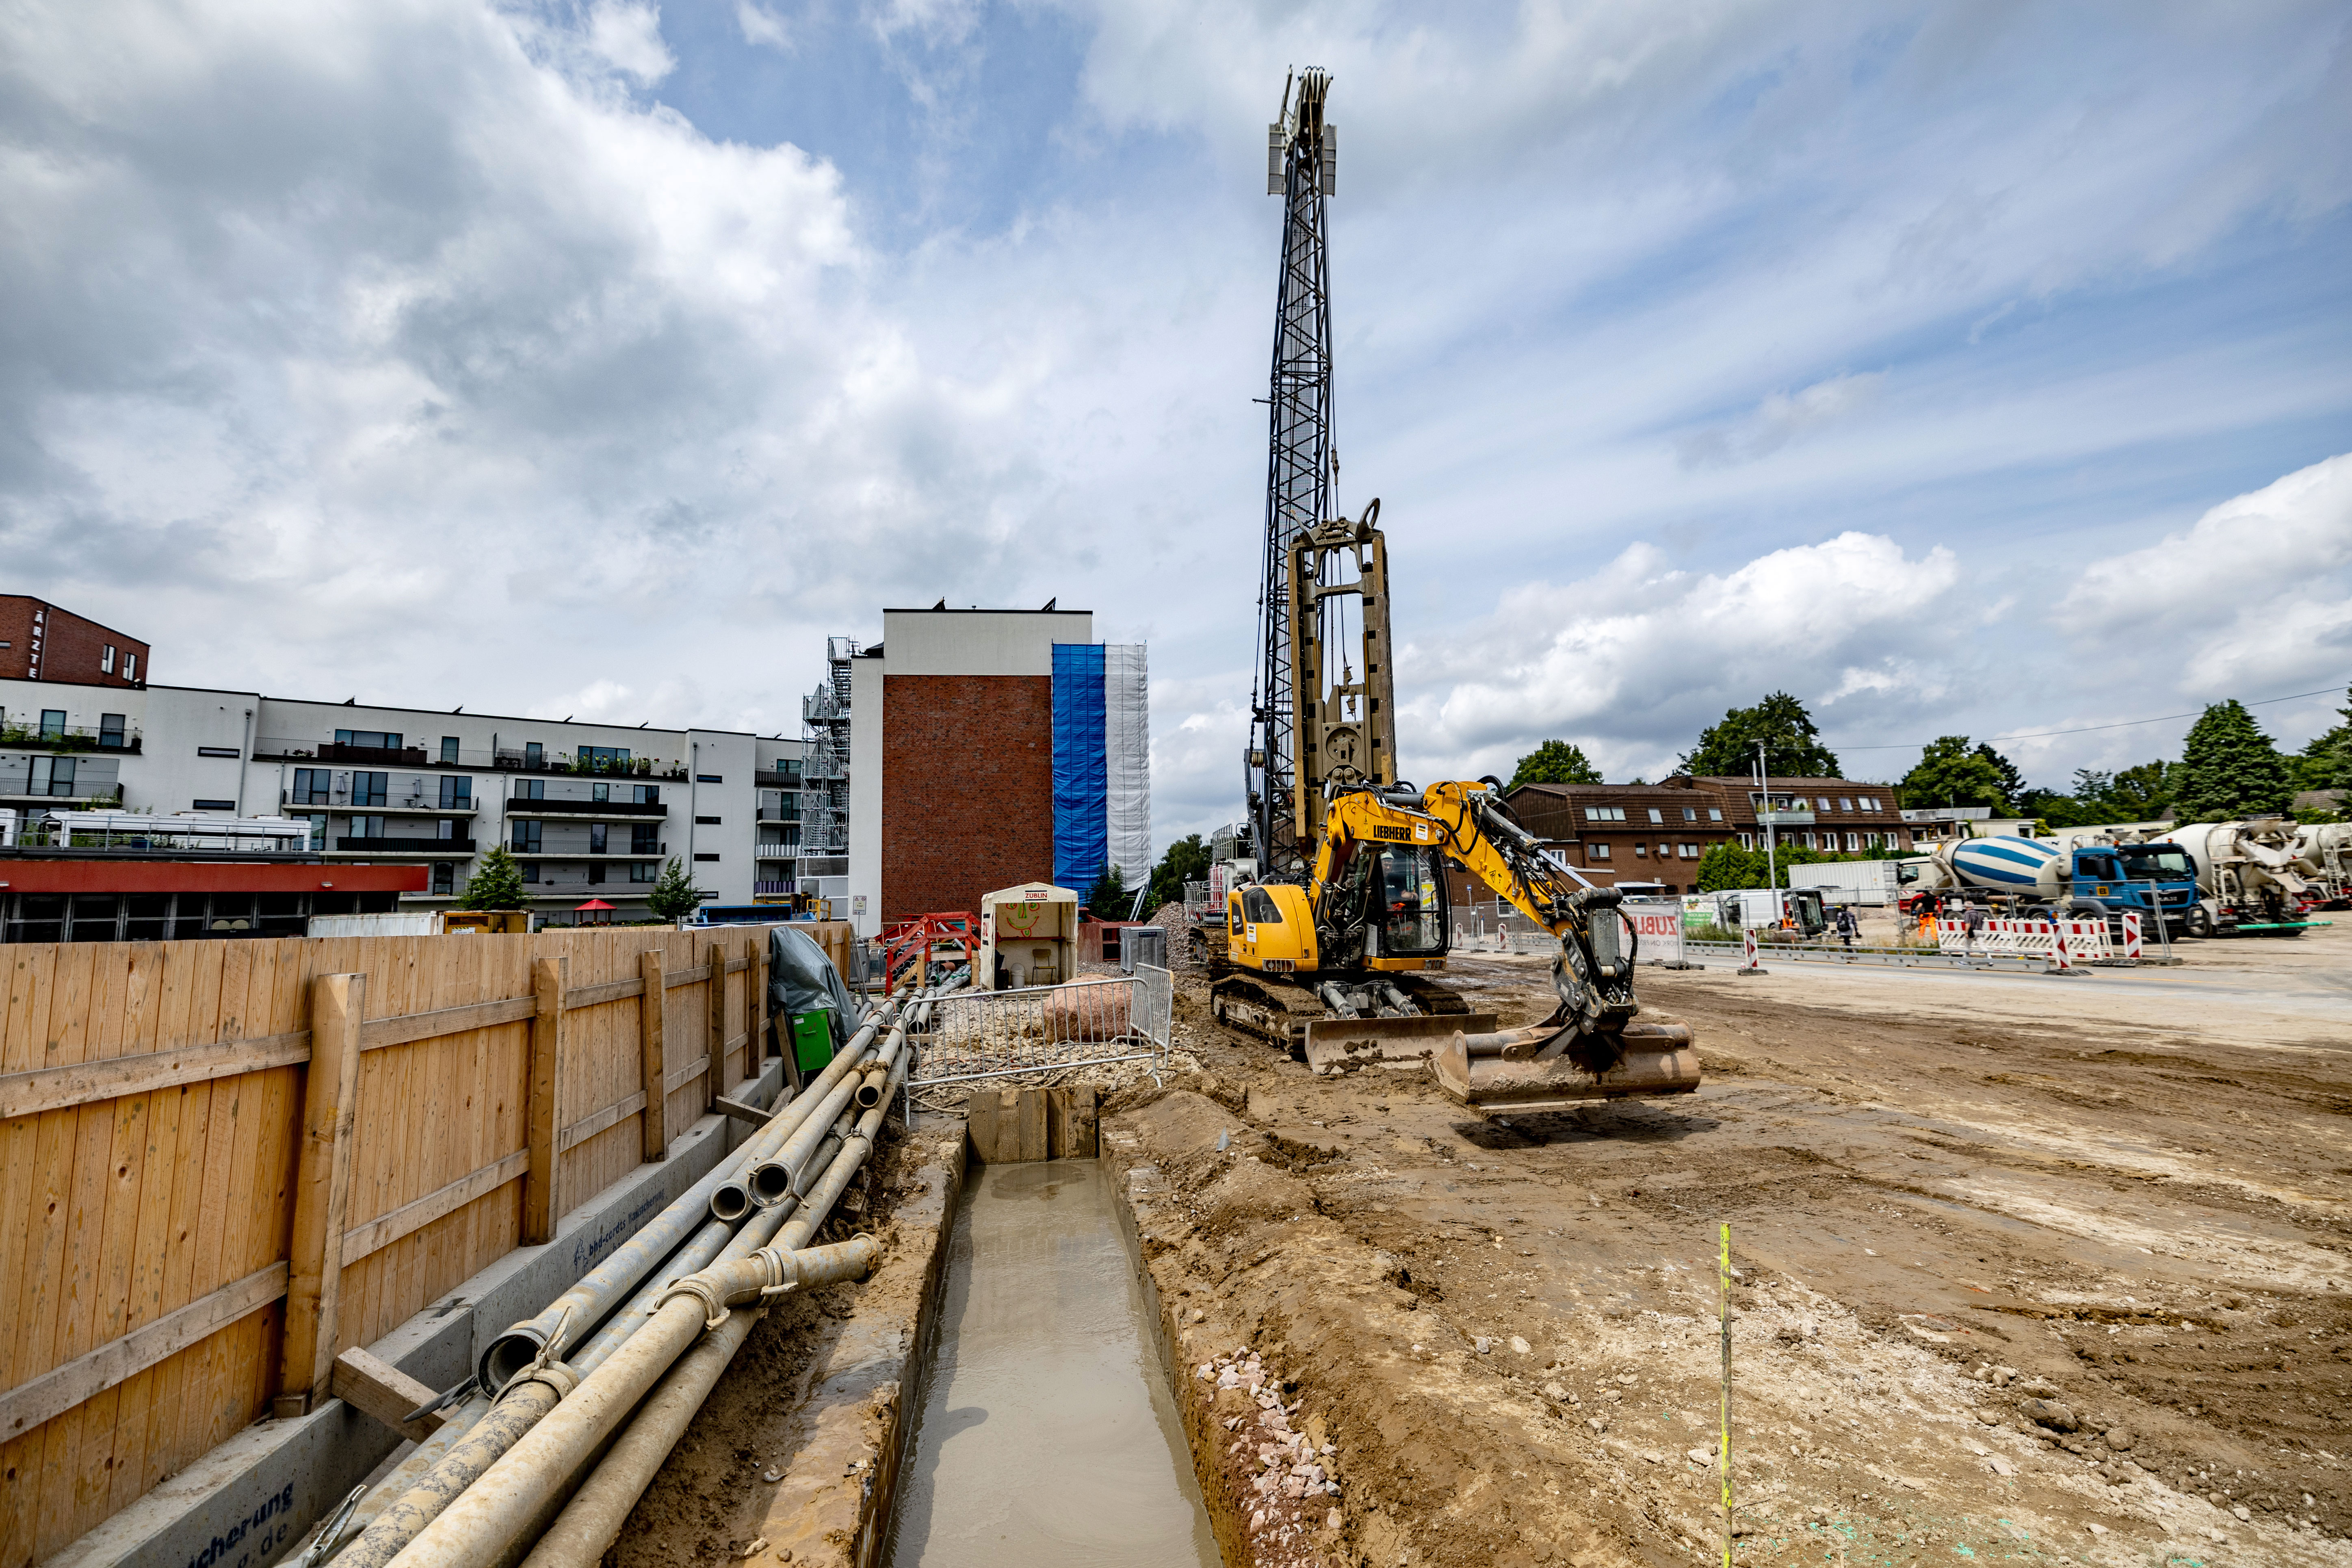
x=1723 y=1447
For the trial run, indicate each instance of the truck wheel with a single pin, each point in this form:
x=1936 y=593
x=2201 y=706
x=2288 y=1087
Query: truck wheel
x=2201 y=920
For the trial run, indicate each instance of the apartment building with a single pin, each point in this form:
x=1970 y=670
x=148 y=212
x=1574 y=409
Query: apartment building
x=1658 y=833
x=591 y=811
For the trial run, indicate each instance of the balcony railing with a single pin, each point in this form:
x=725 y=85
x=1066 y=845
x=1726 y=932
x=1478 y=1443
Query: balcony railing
x=778 y=814
x=72 y=738
x=783 y=778
x=561 y=853
x=393 y=800
x=443 y=847
x=504 y=759
x=139 y=832
x=518 y=805
x=777 y=852
x=81 y=792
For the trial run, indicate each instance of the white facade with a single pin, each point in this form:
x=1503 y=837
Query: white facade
x=590 y=810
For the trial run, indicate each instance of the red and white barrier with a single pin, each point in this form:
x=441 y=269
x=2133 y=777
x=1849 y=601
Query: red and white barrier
x=2065 y=942
x=2131 y=936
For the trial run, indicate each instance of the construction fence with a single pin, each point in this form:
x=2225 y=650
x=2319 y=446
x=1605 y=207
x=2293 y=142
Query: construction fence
x=222 y=1163
x=979 y=1034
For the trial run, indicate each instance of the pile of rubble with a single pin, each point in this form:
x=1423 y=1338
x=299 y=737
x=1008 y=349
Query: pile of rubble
x=1292 y=1471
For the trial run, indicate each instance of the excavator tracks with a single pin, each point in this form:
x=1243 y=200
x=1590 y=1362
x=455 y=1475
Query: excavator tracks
x=1278 y=1011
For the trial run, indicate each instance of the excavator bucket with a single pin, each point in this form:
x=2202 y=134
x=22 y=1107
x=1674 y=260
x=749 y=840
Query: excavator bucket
x=1543 y=1067
x=1336 y=1046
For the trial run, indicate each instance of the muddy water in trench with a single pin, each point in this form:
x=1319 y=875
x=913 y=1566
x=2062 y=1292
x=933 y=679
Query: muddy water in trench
x=1048 y=1438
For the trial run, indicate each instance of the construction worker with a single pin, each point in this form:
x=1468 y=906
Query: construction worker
x=1846 y=926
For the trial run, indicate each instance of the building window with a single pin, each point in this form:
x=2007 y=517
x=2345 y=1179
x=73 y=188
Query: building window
x=1822 y=801
x=368 y=827
x=597 y=838
x=1605 y=814
x=214 y=804
x=604 y=759
x=706 y=857
x=1656 y=816
x=710 y=778
x=370 y=740
x=1813 y=840
x=317 y=821
x=1870 y=802
x=371 y=789
x=1845 y=803
x=1715 y=814
x=530 y=789
x=446 y=829
x=53 y=723
x=1641 y=852
x=106 y=659
x=1687 y=851
x=1690 y=814
x=600 y=792
x=312 y=786
x=643 y=871
x=130 y=667
x=534 y=755
x=645 y=794
x=1748 y=841
x=218 y=752
x=110 y=727
x=445 y=877
x=595 y=874
x=706 y=822
x=645 y=838
x=457 y=791
x=1596 y=851
x=449 y=751
x=526 y=837
x=54 y=775
x=530 y=871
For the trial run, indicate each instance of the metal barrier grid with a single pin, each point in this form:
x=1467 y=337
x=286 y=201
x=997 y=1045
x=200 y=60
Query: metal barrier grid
x=978 y=1035
x=1734 y=954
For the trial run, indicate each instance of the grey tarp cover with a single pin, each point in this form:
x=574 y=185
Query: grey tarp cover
x=802 y=978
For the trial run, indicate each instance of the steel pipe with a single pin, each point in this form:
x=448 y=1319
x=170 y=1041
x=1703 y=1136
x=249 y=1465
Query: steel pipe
x=778 y=1174
x=518 y=1409
x=593 y=1519
x=478 y=1526
x=732 y=1199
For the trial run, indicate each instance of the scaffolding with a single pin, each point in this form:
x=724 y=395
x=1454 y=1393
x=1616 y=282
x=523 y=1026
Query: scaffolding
x=825 y=767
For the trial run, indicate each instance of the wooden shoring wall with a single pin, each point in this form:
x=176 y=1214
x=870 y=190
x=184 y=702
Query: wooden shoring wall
x=194 y=1220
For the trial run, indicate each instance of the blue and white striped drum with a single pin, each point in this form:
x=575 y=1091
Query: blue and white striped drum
x=2007 y=865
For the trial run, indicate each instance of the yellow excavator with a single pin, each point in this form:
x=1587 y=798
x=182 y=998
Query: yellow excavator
x=1340 y=966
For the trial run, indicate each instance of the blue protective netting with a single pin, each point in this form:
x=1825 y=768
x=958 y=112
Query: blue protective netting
x=1081 y=832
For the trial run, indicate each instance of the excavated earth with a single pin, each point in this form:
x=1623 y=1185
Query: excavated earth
x=2029 y=1269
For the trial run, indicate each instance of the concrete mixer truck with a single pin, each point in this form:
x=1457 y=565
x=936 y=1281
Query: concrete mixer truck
x=2323 y=853
x=2033 y=877
x=2249 y=880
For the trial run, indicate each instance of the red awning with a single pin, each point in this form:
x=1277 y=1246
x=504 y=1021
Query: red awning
x=595 y=904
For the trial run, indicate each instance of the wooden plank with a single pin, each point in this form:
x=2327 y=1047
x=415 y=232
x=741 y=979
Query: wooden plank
x=740 y=1111
x=385 y=1229
x=610 y=990
x=1071 y=1122
x=540 y=1209
x=1029 y=1130
x=60 y=1389
x=652 y=1074
x=715 y=1015
x=378 y=1033
x=596 y=1121
x=56 y=1089
x=686 y=1075
x=373 y=1386
x=674 y=978
x=321 y=1192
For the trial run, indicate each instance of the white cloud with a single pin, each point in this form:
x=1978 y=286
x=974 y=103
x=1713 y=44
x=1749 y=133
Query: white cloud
x=1780 y=419
x=628 y=38
x=762 y=26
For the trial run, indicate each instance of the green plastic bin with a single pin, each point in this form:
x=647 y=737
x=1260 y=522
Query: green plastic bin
x=812 y=1040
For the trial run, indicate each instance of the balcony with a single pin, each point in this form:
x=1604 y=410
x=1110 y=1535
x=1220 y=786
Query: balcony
x=789 y=778
x=655 y=853
x=77 y=795
x=778 y=813
x=398 y=802
x=299 y=749
x=518 y=806
x=514 y=762
x=444 y=848
x=141 y=836
x=70 y=738
x=777 y=852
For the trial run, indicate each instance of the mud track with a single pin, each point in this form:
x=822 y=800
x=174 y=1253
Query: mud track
x=2124 y=1195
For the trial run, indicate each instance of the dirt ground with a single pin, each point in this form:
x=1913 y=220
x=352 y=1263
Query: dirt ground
x=2123 y=1194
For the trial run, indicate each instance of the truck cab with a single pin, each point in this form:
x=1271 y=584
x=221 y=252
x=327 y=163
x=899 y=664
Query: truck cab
x=2152 y=879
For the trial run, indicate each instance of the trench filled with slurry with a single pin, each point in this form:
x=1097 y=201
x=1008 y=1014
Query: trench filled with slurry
x=1047 y=1435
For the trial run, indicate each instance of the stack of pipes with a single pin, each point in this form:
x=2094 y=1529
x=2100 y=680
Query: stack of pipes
x=561 y=1388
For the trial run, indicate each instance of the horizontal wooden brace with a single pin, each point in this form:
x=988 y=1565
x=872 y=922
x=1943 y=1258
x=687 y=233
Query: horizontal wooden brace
x=61 y=1388
x=417 y=1214
x=375 y=1033
x=680 y=1076
x=60 y=1087
x=610 y=991
x=373 y=1386
x=738 y=1110
x=596 y=1121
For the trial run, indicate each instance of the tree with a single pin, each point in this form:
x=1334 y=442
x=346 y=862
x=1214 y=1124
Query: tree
x=673 y=894
x=1187 y=861
x=1950 y=774
x=495 y=884
x=2143 y=793
x=2230 y=769
x=1792 y=747
x=2326 y=762
x=1556 y=762
x=1108 y=898
x=1726 y=865
x=2012 y=783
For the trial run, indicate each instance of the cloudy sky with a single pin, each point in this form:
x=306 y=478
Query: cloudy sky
x=1980 y=368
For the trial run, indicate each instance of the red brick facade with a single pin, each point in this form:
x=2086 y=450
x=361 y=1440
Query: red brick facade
x=45 y=643
x=966 y=789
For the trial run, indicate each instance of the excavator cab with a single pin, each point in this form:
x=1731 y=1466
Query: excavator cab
x=1270 y=928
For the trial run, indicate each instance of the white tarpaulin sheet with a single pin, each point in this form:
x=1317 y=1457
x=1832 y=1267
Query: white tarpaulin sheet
x=1127 y=758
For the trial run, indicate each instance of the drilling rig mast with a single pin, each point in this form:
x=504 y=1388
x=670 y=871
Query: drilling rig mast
x=1301 y=167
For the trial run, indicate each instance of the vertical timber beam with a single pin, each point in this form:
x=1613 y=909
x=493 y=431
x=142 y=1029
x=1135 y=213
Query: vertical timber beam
x=714 y=1078
x=323 y=1192
x=541 y=1208
x=651 y=1065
